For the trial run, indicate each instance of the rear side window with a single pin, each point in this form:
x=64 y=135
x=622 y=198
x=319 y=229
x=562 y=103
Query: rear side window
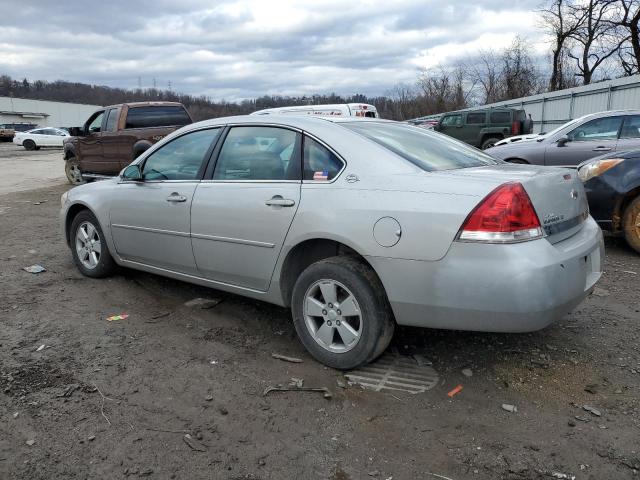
x=428 y=150
x=500 y=117
x=320 y=163
x=475 y=118
x=159 y=116
x=631 y=127
x=259 y=153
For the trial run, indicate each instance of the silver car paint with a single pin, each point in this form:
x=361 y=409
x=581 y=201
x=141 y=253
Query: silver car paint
x=428 y=276
x=546 y=151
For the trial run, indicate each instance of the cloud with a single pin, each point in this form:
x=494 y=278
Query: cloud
x=238 y=49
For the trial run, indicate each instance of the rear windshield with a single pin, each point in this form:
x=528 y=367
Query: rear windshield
x=160 y=116
x=428 y=150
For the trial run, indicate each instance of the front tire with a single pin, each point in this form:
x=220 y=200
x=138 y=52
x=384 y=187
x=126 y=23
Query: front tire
x=89 y=248
x=29 y=144
x=72 y=171
x=341 y=313
x=490 y=142
x=631 y=224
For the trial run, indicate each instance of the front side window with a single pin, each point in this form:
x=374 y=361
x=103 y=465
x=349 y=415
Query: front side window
x=599 y=129
x=158 y=116
x=49 y=131
x=39 y=131
x=475 y=118
x=180 y=159
x=320 y=163
x=631 y=127
x=452 y=120
x=258 y=153
x=428 y=150
x=112 y=120
x=96 y=123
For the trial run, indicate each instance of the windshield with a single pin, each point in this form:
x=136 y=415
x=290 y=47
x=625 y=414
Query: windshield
x=428 y=150
x=564 y=125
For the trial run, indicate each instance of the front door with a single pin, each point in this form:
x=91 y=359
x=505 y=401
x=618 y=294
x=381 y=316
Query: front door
x=150 y=219
x=90 y=145
x=451 y=125
x=591 y=139
x=240 y=218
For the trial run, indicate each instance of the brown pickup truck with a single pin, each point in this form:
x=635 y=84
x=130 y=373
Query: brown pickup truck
x=114 y=136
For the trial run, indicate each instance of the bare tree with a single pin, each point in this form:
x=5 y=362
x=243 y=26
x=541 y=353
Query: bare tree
x=442 y=90
x=484 y=72
x=518 y=76
x=595 y=39
x=626 y=24
x=558 y=24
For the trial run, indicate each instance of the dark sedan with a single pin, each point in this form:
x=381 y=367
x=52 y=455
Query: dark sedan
x=612 y=183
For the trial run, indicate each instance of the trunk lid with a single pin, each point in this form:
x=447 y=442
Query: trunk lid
x=557 y=194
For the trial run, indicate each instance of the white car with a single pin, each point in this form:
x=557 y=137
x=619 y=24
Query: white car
x=40 y=137
x=339 y=110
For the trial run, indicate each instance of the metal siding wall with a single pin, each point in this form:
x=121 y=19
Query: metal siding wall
x=590 y=103
x=59 y=114
x=625 y=98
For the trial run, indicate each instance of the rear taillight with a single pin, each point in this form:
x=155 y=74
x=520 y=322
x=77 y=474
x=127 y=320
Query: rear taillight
x=506 y=215
x=515 y=128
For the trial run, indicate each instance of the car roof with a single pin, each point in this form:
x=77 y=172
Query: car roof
x=301 y=122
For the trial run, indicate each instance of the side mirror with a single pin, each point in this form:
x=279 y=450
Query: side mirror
x=76 y=131
x=562 y=141
x=132 y=173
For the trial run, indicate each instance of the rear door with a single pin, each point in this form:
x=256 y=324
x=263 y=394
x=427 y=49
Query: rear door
x=590 y=139
x=150 y=219
x=629 y=134
x=241 y=216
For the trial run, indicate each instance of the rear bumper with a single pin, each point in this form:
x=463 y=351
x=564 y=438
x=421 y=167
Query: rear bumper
x=495 y=288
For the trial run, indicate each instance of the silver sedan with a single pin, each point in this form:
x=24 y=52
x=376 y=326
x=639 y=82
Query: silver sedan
x=356 y=225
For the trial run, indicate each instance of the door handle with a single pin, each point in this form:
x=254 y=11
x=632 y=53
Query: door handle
x=175 y=197
x=601 y=149
x=278 y=201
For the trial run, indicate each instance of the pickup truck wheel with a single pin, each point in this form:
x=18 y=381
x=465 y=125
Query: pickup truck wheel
x=72 y=170
x=89 y=248
x=490 y=142
x=29 y=145
x=631 y=224
x=341 y=313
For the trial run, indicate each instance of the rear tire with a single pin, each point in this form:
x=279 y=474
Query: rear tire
x=631 y=224
x=324 y=329
x=89 y=248
x=490 y=142
x=72 y=171
x=29 y=145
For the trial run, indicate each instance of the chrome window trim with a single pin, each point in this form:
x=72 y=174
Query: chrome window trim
x=250 y=181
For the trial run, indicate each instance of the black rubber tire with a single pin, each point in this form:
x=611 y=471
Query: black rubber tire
x=69 y=163
x=630 y=226
x=106 y=265
x=518 y=161
x=377 y=319
x=490 y=142
x=29 y=144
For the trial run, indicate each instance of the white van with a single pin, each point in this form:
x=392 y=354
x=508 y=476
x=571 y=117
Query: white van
x=342 y=109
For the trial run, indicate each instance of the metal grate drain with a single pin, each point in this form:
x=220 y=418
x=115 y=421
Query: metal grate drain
x=394 y=372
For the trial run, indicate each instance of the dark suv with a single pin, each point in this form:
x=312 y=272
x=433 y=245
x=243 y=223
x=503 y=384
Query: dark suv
x=483 y=128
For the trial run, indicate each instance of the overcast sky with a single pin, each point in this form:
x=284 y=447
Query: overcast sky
x=247 y=48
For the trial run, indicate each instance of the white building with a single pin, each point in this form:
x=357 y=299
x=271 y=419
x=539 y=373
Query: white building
x=44 y=113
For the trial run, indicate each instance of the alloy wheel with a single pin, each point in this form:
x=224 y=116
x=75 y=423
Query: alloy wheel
x=332 y=316
x=88 y=245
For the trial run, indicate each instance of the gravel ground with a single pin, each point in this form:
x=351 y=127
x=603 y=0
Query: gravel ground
x=24 y=170
x=107 y=400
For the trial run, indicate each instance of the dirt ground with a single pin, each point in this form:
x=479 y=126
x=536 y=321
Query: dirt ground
x=24 y=170
x=107 y=400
